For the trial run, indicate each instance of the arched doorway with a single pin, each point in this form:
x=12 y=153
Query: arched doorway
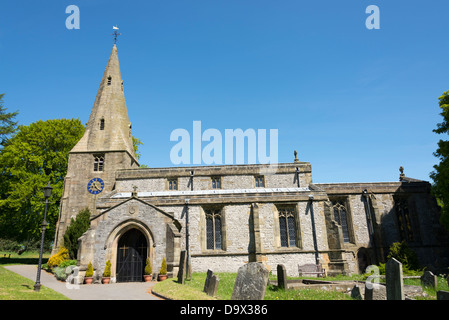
x=131 y=256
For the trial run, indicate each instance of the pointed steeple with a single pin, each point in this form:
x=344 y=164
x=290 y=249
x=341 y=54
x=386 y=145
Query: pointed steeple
x=108 y=128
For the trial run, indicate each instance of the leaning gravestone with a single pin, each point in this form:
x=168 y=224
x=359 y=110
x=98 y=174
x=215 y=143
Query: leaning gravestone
x=282 y=276
x=209 y=274
x=428 y=279
x=251 y=282
x=211 y=286
x=394 y=279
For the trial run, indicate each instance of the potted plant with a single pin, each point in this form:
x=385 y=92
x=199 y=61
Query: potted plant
x=163 y=272
x=88 y=277
x=107 y=273
x=148 y=271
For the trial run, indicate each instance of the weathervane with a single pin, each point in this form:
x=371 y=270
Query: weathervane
x=115 y=34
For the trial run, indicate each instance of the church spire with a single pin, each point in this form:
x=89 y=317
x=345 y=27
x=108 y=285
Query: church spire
x=108 y=128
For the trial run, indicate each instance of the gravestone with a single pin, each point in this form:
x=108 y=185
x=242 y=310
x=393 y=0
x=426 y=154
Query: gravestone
x=209 y=274
x=211 y=285
x=282 y=276
x=356 y=293
x=428 y=279
x=251 y=282
x=375 y=292
x=182 y=267
x=442 y=295
x=394 y=279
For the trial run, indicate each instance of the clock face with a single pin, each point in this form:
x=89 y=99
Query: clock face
x=95 y=186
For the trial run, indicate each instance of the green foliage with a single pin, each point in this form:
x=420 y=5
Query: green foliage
x=89 y=270
x=148 y=270
x=77 y=227
x=107 y=269
x=163 y=269
x=67 y=263
x=35 y=155
x=401 y=252
x=440 y=175
x=7 y=123
x=58 y=258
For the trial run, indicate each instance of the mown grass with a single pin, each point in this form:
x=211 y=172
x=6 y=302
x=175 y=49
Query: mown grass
x=193 y=290
x=16 y=287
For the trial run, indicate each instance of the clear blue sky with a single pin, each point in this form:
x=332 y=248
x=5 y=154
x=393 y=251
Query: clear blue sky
x=355 y=103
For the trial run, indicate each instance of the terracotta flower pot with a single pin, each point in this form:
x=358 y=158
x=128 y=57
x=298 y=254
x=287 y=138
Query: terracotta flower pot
x=162 y=277
x=106 y=280
x=147 y=277
x=88 y=280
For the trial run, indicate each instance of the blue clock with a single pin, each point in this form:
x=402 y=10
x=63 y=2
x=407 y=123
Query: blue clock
x=95 y=186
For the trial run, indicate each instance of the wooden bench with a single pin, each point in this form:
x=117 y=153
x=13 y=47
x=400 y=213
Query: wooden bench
x=311 y=269
x=9 y=256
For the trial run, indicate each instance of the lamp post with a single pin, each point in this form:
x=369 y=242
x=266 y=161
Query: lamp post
x=47 y=194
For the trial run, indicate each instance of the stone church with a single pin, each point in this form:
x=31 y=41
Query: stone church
x=236 y=214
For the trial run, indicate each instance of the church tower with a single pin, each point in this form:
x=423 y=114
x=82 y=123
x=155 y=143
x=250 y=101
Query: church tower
x=105 y=147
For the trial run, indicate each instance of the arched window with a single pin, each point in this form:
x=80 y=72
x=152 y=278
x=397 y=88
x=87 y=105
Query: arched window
x=341 y=217
x=99 y=162
x=287 y=226
x=102 y=124
x=214 y=237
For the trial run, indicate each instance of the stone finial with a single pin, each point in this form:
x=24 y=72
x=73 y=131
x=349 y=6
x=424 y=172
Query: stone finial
x=402 y=175
x=134 y=193
x=296 y=156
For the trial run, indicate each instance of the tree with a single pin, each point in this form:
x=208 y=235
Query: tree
x=35 y=155
x=75 y=230
x=440 y=175
x=7 y=123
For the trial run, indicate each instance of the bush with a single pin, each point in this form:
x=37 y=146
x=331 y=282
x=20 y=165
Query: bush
x=67 y=263
x=77 y=227
x=89 y=271
x=107 y=270
x=148 y=269
x=58 y=258
x=401 y=252
x=163 y=267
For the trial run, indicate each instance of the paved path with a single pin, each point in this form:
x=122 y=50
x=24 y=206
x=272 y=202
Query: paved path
x=114 y=291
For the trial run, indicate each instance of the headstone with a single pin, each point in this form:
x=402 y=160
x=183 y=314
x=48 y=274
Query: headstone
x=182 y=267
x=282 y=276
x=251 y=282
x=428 y=279
x=210 y=273
x=212 y=287
x=375 y=292
x=442 y=295
x=355 y=293
x=394 y=279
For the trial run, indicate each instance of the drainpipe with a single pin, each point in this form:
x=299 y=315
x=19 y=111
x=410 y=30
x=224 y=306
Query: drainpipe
x=312 y=218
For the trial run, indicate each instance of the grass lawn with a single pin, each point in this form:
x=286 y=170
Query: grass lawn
x=16 y=287
x=192 y=290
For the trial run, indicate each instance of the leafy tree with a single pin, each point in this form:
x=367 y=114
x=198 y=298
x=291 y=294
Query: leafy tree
x=35 y=155
x=75 y=230
x=441 y=174
x=7 y=123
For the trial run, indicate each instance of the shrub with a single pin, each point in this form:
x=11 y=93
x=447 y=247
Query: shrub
x=148 y=269
x=163 y=267
x=401 y=252
x=107 y=269
x=89 y=271
x=58 y=258
x=77 y=227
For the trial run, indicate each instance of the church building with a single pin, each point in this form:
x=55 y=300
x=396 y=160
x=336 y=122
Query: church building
x=229 y=215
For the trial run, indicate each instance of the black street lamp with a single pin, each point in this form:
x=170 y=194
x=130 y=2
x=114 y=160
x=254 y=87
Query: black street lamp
x=47 y=194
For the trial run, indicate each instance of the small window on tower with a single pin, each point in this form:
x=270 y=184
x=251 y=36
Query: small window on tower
x=99 y=162
x=109 y=80
x=102 y=124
